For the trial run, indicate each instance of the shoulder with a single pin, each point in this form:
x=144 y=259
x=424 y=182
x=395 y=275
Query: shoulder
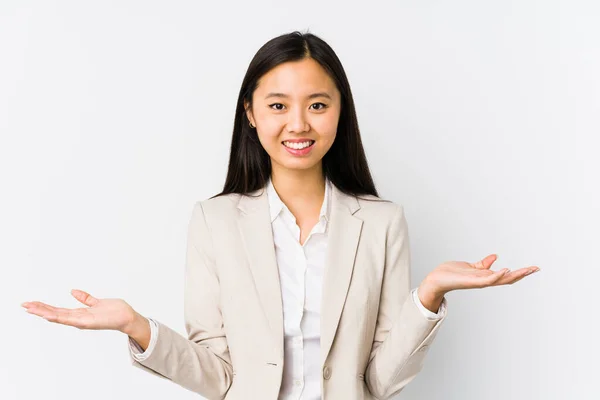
x=373 y=207
x=383 y=217
x=220 y=205
x=219 y=208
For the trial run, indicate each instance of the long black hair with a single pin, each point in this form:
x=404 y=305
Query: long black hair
x=345 y=164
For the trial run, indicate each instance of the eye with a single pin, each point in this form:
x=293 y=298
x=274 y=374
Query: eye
x=324 y=106
x=276 y=104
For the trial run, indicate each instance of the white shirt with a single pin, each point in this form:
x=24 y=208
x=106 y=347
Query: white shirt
x=301 y=274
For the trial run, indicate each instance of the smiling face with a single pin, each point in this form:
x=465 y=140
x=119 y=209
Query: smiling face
x=295 y=109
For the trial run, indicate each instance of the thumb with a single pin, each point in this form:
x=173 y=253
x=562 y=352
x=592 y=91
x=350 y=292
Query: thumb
x=486 y=262
x=84 y=297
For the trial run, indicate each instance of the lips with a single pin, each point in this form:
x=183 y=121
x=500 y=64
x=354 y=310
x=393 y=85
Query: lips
x=302 y=151
x=298 y=144
x=298 y=140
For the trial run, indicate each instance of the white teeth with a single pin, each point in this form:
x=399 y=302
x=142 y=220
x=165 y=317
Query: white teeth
x=297 y=146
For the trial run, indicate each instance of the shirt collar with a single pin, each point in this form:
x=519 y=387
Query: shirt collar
x=276 y=205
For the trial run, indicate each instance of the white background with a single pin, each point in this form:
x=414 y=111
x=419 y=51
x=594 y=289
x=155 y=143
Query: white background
x=480 y=117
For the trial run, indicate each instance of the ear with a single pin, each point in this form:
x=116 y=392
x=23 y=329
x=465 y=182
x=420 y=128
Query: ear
x=249 y=112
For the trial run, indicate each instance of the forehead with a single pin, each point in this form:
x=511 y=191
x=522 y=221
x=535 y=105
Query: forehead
x=296 y=77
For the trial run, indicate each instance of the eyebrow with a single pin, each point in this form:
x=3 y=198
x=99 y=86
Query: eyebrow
x=311 y=96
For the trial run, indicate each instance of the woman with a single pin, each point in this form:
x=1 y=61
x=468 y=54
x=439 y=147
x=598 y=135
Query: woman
x=297 y=274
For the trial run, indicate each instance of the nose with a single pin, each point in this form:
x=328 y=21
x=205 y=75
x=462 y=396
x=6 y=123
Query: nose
x=297 y=122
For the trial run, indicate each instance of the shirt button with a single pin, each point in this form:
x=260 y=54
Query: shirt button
x=297 y=382
x=297 y=340
x=326 y=372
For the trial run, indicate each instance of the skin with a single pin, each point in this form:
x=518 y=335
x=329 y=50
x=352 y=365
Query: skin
x=299 y=183
x=295 y=114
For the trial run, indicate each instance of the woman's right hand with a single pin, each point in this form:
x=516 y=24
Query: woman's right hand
x=113 y=314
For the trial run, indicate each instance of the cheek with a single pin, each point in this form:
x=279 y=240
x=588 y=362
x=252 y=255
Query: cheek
x=270 y=131
x=269 y=138
x=327 y=132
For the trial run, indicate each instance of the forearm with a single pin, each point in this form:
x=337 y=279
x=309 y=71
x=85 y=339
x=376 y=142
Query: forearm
x=396 y=361
x=139 y=330
x=199 y=362
x=430 y=298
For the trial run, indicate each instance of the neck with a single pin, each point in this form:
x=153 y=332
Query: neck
x=299 y=185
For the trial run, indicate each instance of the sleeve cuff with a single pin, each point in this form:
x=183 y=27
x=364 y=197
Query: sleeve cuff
x=428 y=314
x=136 y=350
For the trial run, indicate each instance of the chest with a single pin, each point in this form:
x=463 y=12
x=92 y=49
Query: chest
x=301 y=267
x=301 y=227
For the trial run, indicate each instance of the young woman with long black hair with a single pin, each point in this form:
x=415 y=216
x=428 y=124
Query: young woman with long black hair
x=297 y=277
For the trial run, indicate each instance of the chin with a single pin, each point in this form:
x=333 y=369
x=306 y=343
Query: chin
x=298 y=164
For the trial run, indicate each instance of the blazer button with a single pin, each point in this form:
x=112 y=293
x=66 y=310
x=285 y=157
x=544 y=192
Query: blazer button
x=326 y=372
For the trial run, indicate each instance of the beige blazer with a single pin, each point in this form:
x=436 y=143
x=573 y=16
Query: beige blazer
x=374 y=339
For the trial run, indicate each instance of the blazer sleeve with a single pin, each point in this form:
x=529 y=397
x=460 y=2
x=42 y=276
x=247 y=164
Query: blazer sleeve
x=402 y=333
x=201 y=362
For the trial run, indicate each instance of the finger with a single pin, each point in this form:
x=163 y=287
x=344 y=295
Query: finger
x=39 y=304
x=28 y=304
x=84 y=297
x=486 y=262
x=516 y=280
x=70 y=317
x=479 y=273
x=66 y=317
x=492 y=279
x=517 y=275
x=41 y=309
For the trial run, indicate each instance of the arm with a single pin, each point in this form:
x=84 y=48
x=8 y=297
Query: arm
x=142 y=341
x=200 y=362
x=426 y=310
x=403 y=332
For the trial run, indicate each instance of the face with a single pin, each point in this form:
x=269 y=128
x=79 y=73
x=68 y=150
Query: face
x=296 y=108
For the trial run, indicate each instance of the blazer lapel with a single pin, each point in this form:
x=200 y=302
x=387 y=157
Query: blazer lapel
x=257 y=235
x=343 y=233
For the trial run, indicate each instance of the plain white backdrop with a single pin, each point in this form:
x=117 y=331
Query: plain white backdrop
x=481 y=118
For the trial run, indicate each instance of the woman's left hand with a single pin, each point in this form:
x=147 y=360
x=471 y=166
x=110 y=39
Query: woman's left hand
x=456 y=275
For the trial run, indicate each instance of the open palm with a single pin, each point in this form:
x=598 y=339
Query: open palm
x=112 y=314
x=456 y=275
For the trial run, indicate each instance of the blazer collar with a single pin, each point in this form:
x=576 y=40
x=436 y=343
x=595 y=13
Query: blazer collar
x=344 y=230
x=258 y=199
x=276 y=205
